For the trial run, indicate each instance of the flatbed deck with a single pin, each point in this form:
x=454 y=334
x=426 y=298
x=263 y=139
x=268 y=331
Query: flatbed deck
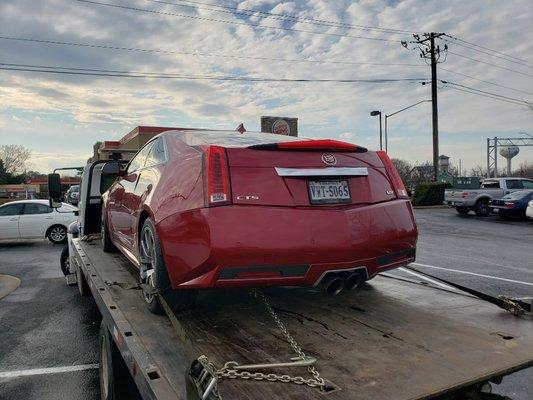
x=392 y=339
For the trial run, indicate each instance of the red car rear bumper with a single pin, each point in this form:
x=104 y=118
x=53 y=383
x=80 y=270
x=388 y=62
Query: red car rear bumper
x=264 y=246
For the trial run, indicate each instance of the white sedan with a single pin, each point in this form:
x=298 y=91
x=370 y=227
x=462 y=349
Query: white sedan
x=529 y=209
x=31 y=219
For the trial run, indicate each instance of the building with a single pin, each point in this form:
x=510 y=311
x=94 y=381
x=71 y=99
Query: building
x=128 y=145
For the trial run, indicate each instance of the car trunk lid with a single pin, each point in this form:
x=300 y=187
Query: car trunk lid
x=302 y=175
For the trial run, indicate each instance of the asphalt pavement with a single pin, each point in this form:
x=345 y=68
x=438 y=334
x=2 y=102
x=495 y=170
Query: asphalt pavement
x=48 y=333
x=45 y=324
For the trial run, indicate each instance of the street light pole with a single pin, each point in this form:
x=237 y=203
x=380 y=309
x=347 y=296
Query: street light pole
x=394 y=113
x=380 y=134
x=386 y=137
x=374 y=114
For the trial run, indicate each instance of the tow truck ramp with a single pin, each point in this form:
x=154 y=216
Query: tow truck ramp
x=391 y=339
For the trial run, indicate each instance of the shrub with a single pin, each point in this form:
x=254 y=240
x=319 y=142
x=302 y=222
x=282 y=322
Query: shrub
x=430 y=194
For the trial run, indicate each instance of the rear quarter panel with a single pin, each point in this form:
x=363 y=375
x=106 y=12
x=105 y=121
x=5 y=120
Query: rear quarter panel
x=180 y=186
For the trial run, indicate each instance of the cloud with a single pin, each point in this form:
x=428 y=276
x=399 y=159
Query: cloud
x=83 y=109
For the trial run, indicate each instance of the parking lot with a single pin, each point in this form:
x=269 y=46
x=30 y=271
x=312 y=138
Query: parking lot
x=48 y=332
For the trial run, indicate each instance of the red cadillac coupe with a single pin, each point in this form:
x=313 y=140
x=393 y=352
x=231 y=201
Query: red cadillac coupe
x=207 y=209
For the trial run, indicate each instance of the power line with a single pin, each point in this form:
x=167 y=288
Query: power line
x=491 y=64
x=484 y=81
x=485 y=92
x=234 y=22
x=200 y=54
x=139 y=74
x=276 y=16
x=487 y=49
x=491 y=54
x=486 y=96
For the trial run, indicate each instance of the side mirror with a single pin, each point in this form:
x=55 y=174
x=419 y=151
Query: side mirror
x=54 y=190
x=111 y=168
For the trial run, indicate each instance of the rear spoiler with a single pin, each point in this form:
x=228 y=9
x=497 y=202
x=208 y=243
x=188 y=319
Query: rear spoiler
x=311 y=145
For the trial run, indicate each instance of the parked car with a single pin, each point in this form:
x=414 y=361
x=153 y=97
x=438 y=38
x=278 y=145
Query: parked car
x=478 y=199
x=512 y=204
x=73 y=195
x=529 y=209
x=208 y=209
x=30 y=219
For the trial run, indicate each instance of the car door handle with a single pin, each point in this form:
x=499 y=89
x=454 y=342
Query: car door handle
x=48 y=217
x=13 y=219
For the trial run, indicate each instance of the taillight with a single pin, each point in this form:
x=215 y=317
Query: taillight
x=509 y=204
x=218 y=187
x=394 y=176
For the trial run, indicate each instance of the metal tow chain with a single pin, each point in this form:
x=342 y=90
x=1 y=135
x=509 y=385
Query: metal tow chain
x=233 y=370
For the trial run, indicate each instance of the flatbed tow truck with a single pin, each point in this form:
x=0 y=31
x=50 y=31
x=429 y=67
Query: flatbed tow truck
x=393 y=338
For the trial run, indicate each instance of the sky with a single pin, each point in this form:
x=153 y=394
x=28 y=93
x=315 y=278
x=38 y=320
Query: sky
x=60 y=116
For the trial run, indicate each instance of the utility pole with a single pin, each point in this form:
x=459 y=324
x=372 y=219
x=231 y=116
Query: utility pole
x=428 y=50
x=434 y=107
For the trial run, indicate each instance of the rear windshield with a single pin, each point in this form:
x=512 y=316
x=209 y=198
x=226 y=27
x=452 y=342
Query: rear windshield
x=517 y=195
x=232 y=138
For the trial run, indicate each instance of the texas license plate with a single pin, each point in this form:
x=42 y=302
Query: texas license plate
x=329 y=192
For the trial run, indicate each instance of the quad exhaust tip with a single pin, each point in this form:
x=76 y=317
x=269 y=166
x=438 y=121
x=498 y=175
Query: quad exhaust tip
x=353 y=281
x=332 y=284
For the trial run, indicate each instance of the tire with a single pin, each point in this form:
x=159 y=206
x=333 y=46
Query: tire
x=462 y=210
x=83 y=286
x=116 y=382
x=107 y=244
x=64 y=261
x=57 y=234
x=482 y=208
x=151 y=257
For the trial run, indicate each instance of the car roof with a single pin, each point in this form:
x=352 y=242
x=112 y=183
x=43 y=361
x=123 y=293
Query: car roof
x=29 y=201
x=38 y=201
x=510 y=178
x=228 y=138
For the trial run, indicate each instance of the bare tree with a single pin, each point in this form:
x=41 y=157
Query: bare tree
x=15 y=158
x=478 y=171
x=524 y=170
x=3 y=173
x=404 y=169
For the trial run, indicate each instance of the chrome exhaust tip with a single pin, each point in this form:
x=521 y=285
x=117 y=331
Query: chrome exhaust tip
x=353 y=281
x=332 y=284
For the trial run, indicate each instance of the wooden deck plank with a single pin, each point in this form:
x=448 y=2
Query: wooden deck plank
x=392 y=340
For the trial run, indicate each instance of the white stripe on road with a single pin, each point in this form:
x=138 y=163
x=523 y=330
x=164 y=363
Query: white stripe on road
x=473 y=273
x=46 y=371
x=442 y=285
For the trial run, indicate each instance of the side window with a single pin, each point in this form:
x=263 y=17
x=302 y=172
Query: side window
x=10 y=210
x=157 y=153
x=527 y=184
x=35 y=208
x=140 y=158
x=514 y=184
x=490 y=185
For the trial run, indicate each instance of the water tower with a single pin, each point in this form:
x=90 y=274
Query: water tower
x=509 y=152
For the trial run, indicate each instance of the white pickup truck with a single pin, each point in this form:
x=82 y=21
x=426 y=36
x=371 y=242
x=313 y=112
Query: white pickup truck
x=465 y=200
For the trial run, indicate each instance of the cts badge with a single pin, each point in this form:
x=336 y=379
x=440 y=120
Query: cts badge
x=329 y=159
